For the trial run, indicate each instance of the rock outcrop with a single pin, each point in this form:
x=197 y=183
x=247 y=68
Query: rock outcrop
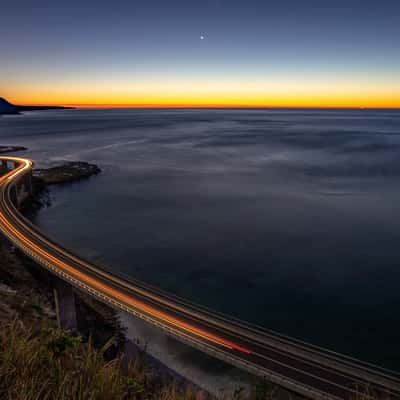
x=70 y=171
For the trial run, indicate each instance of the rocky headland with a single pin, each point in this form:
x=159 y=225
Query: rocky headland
x=11 y=149
x=7 y=108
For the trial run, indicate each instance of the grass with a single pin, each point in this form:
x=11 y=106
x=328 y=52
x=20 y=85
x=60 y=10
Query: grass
x=47 y=363
x=40 y=362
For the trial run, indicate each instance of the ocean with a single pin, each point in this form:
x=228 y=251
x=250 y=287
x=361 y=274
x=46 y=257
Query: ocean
x=289 y=219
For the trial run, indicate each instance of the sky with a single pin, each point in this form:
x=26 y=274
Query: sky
x=287 y=53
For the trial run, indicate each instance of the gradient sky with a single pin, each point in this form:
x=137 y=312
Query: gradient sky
x=254 y=52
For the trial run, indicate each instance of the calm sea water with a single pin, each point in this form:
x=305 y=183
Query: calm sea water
x=286 y=218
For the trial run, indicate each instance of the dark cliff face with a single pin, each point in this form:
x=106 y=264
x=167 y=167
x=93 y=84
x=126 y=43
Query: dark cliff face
x=6 y=107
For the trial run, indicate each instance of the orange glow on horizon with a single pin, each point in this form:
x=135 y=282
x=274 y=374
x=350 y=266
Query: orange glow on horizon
x=325 y=104
x=300 y=102
x=218 y=94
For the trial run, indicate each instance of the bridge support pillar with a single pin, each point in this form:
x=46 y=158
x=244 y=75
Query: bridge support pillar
x=64 y=298
x=14 y=196
x=20 y=192
x=27 y=184
x=23 y=189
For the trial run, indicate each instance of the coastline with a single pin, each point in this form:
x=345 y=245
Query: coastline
x=167 y=361
x=11 y=149
x=28 y=284
x=67 y=172
x=166 y=348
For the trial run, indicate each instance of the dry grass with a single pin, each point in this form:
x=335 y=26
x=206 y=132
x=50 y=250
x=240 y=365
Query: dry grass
x=50 y=364
x=44 y=363
x=40 y=362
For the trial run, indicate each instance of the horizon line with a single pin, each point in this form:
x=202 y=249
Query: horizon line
x=204 y=106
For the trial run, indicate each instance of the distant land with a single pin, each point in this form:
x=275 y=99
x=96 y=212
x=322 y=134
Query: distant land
x=8 y=108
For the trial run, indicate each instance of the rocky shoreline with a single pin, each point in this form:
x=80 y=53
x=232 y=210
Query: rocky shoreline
x=69 y=171
x=20 y=276
x=23 y=282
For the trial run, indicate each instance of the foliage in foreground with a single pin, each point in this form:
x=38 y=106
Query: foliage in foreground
x=46 y=363
x=50 y=364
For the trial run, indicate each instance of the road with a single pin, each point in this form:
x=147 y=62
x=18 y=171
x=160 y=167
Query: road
x=303 y=368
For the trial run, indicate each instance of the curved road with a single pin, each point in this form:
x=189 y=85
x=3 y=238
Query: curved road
x=306 y=369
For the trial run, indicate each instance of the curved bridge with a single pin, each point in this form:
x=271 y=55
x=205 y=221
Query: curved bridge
x=303 y=368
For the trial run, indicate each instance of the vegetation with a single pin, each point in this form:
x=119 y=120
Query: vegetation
x=47 y=363
x=39 y=361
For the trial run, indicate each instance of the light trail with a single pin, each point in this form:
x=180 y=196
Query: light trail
x=306 y=369
x=201 y=312
x=104 y=288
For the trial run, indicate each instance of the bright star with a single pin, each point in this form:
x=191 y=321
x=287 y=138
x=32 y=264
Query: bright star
x=201 y=37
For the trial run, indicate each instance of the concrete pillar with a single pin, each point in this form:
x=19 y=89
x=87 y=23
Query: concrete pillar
x=23 y=189
x=24 y=186
x=64 y=298
x=14 y=196
x=19 y=190
x=28 y=183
